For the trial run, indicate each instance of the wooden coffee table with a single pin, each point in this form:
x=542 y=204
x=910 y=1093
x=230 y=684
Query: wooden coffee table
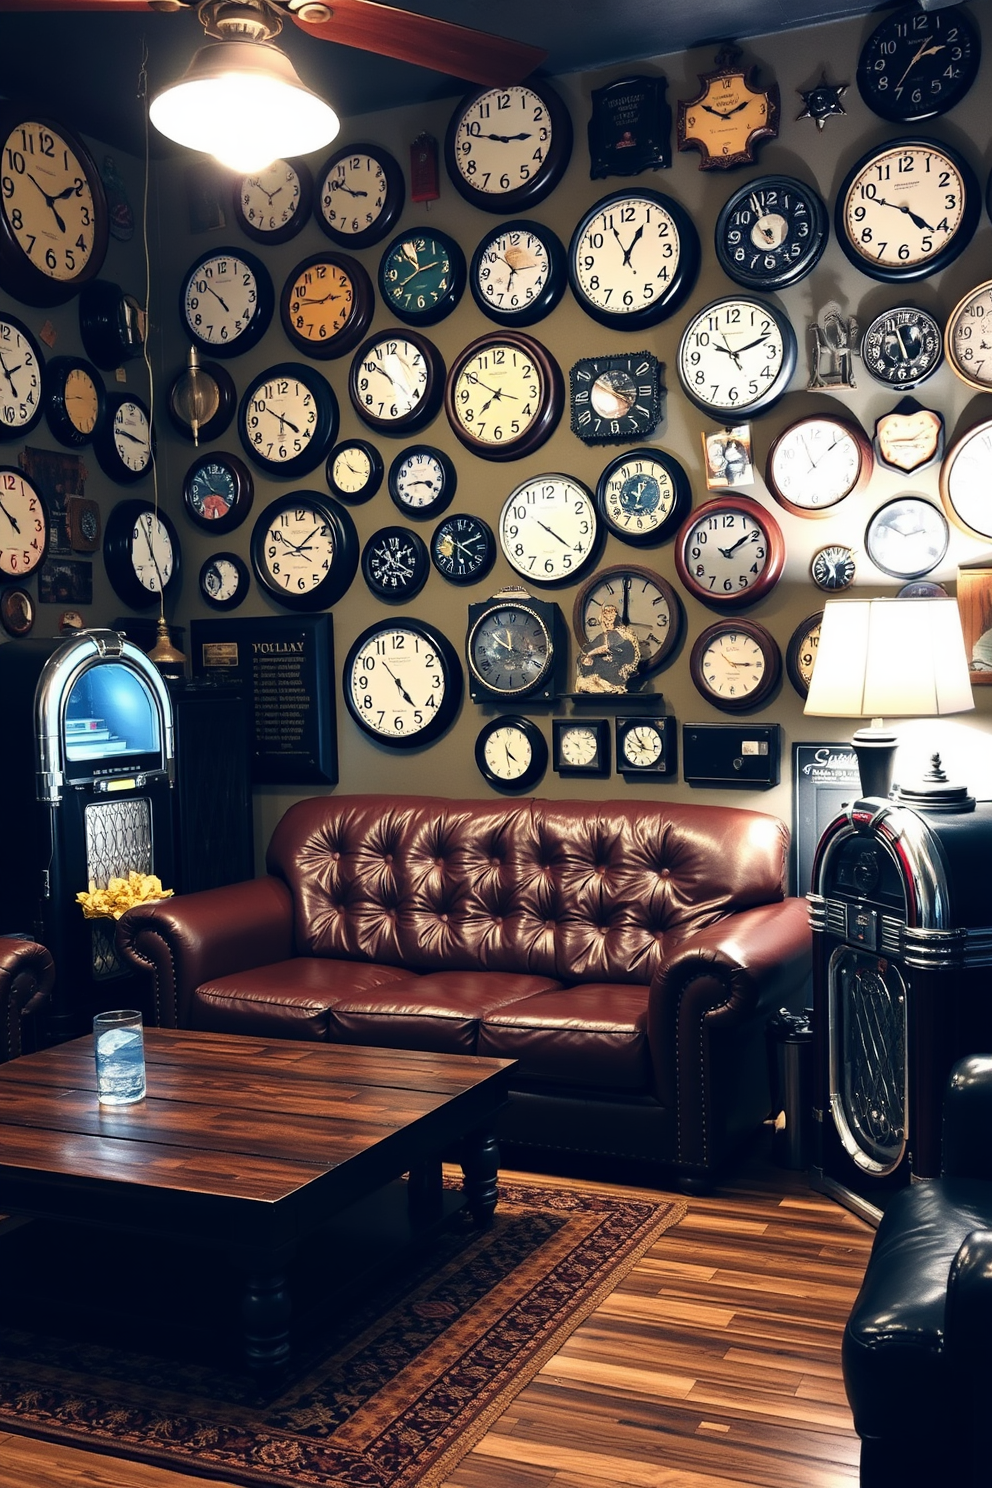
x=246 y=1145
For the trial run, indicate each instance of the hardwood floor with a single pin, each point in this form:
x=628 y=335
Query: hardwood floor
x=715 y=1363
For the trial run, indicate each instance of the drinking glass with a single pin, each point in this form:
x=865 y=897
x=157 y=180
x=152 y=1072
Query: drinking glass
x=120 y=1057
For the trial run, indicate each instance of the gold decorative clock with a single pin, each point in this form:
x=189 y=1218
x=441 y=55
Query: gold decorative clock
x=729 y=116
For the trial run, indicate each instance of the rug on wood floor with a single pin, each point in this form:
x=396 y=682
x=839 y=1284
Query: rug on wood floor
x=393 y=1396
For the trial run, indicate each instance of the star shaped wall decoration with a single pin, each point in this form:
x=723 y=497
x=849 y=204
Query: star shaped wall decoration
x=822 y=101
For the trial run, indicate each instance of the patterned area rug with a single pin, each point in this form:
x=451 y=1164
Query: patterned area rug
x=392 y=1396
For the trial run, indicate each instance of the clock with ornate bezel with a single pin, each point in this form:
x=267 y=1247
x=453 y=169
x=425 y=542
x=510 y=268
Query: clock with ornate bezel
x=902 y=347
x=730 y=552
x=506 y=149
x=735 y=665
x=615 y=399
x=633 y=259
x=226 y=301
x=516 y=647
x=736 y=357
x=729 y=116
x=504 y=395
x=833 y=567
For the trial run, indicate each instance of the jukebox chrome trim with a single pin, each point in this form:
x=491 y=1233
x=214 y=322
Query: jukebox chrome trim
x=838 y=1104
x=913 y=848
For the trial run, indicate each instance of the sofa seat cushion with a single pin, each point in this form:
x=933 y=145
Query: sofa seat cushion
x=440 y=1011
x=590 y=1034
x=289 y=999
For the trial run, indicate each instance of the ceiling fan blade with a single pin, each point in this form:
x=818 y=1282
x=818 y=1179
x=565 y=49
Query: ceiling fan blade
x=440 y=45
x=74 y=5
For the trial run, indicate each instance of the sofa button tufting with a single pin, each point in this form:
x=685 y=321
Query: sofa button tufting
x=444 y=919
x=665 y=873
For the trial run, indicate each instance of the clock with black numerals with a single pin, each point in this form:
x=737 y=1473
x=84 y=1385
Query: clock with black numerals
x=75 y=400
x=518 y=274
x=646 y=746
x=463 y=548
x=23 y=524
x=735 y=665
x=736 y=357
x=22 y=391
x=354 y=470
x=226 y=301
x=422 y=276
x=271 y=205
x=504 y=396
x=123 y=442
x=141 y=553
x=402 y=682
x=511 y=753
x=633 y=259
x=642 y=496
x=327 y=304
x=507 y=148
x=395 y=563
x=800 y=657
x=771 y=233
x=396 y=383
x=358 y=194
x=304 y=550
x=288 y=419
x=730 y=552
x=615 y=398
x=919 y=63
x=422 y=481
x=644 y=602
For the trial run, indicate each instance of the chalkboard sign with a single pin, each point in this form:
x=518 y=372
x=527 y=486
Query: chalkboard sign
x=286 y=665
x=825 y=779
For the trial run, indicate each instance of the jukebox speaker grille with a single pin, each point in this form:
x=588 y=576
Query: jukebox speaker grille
x=868 y=1058
x=118 y=842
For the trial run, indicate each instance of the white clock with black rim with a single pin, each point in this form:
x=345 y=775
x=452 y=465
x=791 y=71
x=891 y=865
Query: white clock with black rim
x=517 y=274
x=226 y=301
x=22 y=398
x=141 y=553
x=633 y=259
x=123 y=443
x=507 y=148
x=548 y=529
x=402 y=682
x=288 y=419
x=736 y=357
x=304 y=550
x=511 y=753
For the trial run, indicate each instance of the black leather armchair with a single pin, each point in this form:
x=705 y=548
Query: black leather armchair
x=917 y=1349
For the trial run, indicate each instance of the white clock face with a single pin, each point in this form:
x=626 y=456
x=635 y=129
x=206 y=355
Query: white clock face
x=627 y=256
x=508 y=752
x=639 y=496
x=397 y=683
x=964 y=480
x=298 y=549
x=152 y=557
x=907 y=537
x=642 y=745
x=733 y=665
x=904 y=206
x=726 y=553
x=353 y=194
x=392 y=379
x=513 y=270
x=220 y=299
x=351 y=469
x=815 y=464
x=731 y=355
x=640 y=604
x=132 y=436
x=498 y=394
x=578 y=746
x=419 y=480
x=281 y=418
x=271 y=197
x=969 y=338
x=47 y=201
x=502 y=140
x=220 y=581
x=22 y=525
x=547 y=528
x=20 y=379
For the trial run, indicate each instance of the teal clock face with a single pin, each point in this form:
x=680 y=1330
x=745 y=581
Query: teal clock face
x=422 y=276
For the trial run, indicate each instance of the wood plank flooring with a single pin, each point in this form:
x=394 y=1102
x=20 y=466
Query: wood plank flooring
x=714 y=1364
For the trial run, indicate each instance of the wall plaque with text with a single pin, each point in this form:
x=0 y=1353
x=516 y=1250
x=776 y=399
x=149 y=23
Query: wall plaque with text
x=631 y=128
x=825 y=778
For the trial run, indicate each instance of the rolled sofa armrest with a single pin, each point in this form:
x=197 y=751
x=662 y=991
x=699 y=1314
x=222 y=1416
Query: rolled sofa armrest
x=966 y=1150
x=27 y=973
x=709 y=1006
x=179 y=943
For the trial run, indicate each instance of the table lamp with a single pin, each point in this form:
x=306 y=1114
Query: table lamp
x=900 y=658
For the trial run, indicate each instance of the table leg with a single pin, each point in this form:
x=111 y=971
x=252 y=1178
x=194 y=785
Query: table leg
x=480 y=1166
x=425 y=1190
x=265 y=1311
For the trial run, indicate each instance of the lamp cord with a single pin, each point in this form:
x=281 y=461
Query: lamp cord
x=143 y=95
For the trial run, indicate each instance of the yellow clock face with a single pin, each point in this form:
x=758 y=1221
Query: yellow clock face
x=724 y=119
x=47 y=201
x=81 y=401
x=320 y=302
x=498 y=394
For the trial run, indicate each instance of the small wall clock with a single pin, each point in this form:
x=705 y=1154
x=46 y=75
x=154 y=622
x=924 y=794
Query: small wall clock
x=326 y=305
x=396 y=382
x=226 y=301
x=902 y=347
x=422 y=481
x=359 y=195
x=16 y=612
x=355 y=470
x=506 y=149
x=615 y=399
x=964 y=481
x=402 y=683
x=907 y=537
x=633 y=259
x=818 y=462
x=511 y=753
x=910 y=437
x=22 y=378
x=111 y=324
x=272 y=205
x=771 y=233
x=218 y=491
x=969 y=354
x=288 y=419
x=422 y=276
x=735 y=665
x=643 y=496
x=224 y=581
x=123 y=443
x=75 y=399
x=800 y=656
x=504 y=396
x=395 y=564
x=833 y=567
x=647 y=746
x=729 y=116
x=736 y=357
x=304 y=550
x=730 y=552
x=548 y=529
x=141 y=552
x=23 y=524
x=463 y=548
x=516 y=647
x=919 y=63
x=644 y=601
x=202 y=401
x=83 y=515
x=581 y=746
x=518 y=274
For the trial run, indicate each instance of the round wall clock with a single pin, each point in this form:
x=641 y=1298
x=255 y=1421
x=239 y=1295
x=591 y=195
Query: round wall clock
x=226 y=301
x=141 y=553
x=548 y=529
x=224 y=581
x=918 y=63
x=359 y=195
x=968 y=338
x=75 y=399
x=288 y=419
x=833 y=567
x=22 y=378
x=504 y=396
x=53 y=210
x=633 y=259
x=817 y=462
x=273 y=204
x=123 y=442
x=396 y=382
x=395 y=564
x=730 y=552
x=422 y=276
x=23 y=524
x=643 y=600
x=518 y=274
x=111 y=324
x=907 y=538
x=463 y=548
x=907 y=209
x=506 y=149
x=510 y=648
x=643 y=496
x=202 y=401
x=402 y=682
x=736 y=357
x=218 y=491
x=511 y=753
x=801 y=653
x=422 y=481
x=964 y=481
x=735 y=665
x=771 y=233
x=16 y=612
x=902 y=347
x=354 y=470
x=304 y=550
x=327 y=304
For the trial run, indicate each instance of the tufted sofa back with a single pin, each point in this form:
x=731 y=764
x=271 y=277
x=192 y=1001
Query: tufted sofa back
x=586 y=891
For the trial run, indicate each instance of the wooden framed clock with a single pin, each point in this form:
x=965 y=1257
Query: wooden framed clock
x=729 y=116
x=730 y=552
x=504 y=396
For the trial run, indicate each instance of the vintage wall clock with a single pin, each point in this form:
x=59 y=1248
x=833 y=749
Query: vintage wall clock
x=202 y=401
x=581 y=746
x=123 y=443
x=735 y=665
x=968 y=338
x=817 y=462
x=907 y=537
x=518 y=273
x=964 y=481
x=907 y=209
x=304 y=550
x=355 y=470
x=633 y=259
x=75 y=398
x=326 y=305
x=736 y=357
x=226 y=301
x=919 y=63
x=833 y=567
x=422 y=276
x=218 y=491
x=23 y=524
x=504 y=396
x=272 y=205
x=395 y=563
x=730 y=552
x=111 y=324
x=909 y=437
x=729 y=116
x=643 y=496
x=224 y=581
x=615 y=399
x=53 y=210
x=647 y=745
x=516 y=647
x=771 y=233
x=511 y=753
x=16 y=612
x=902 y=347
x=359 y=195
x=141 y=553
x=549 y=530
x=643 y=600
x=396 y=383
x=288 y=419
x=22 y=378
x=402 y=682
x=422 y=481
x=800 y=656
x=506 y=149
x=463 y=548
x=83 y=515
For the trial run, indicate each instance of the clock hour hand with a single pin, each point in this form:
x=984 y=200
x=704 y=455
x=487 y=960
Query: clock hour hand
x=400 y=688
x=553 y=532
x=505 y=139
x=924 y=51
x=146 y=529
x=50 y=201
x=322 y=301
x=729 y=552
x=134 y=438
x=728 y=350
x=420 y=269
x=283 y=420
x=340 y=186
x=12 y=520
x=625 y=612
x=217 y=297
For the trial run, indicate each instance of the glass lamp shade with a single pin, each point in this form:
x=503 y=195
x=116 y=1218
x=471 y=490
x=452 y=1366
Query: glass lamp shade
x=243 y=103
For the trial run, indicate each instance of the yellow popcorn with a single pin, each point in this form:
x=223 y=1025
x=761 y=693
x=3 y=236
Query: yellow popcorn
x=122 y=894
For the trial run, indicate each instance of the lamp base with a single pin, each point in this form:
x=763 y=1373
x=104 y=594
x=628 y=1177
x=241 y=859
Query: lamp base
x=933 y=793
x=876 y=752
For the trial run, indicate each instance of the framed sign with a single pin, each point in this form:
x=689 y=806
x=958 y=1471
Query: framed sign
x=825 y=778
x=631 y=128
x=286 y=664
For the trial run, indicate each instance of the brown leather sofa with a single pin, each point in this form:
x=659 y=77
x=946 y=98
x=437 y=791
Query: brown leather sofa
x=628 y=954
x=26 y=976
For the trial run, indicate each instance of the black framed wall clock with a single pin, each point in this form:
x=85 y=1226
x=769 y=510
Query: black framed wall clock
x=226 y=301
x=581 y=746
x=907 y=537
x=304 y=550
x=23 y=524
x=355 y=470
x=288 y=419
x=22 y=378
x=359 y=195
x=969 y=355
x=202 y=402
x=463 y=548
x=504 y=395
x=75 y=399
x=771 y=233
x=326 y=305
x=506 y=149
x=730 y=552
x=422 y=276
x=218 y=491
x=273 y=204
x=615 y=399
x=647 y=746
x=549 y=530
x=735 y=665
x=833 y=567
x=643 y=496
x=224 y=581
x=111 y=324
x=633 y=259
x=800 y=656
x=396 y=382
x=736 y=357
x=964 y=481
x=902 y=347
x=919 y=63
x=511 y=753
x=422 y=481
x=817 y=462
x=644 y=601
x=141 y=552
x=395 y=564
x=123 y=442
x=516 y=648
x=16 y=612
x=402 y=683
x=518 y=272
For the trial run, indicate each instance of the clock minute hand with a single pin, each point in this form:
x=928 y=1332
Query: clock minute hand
x=751 y=344
x=902 y=207
x=11 y=519
x=553 y=532
x=134 y=438
x=218 y=297
x=729 y=552
x=340 y=186
x=399 y=685
x=505 y=139
x=49 y=202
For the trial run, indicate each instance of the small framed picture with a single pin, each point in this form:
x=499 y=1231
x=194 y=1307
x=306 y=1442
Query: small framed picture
x=975 y=606
x=727 y=458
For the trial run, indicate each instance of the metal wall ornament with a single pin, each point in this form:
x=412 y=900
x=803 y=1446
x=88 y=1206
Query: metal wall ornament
x=834 y=344
x=909 y=437
x=631 y=127
x=730 y=115
x=822 y=101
